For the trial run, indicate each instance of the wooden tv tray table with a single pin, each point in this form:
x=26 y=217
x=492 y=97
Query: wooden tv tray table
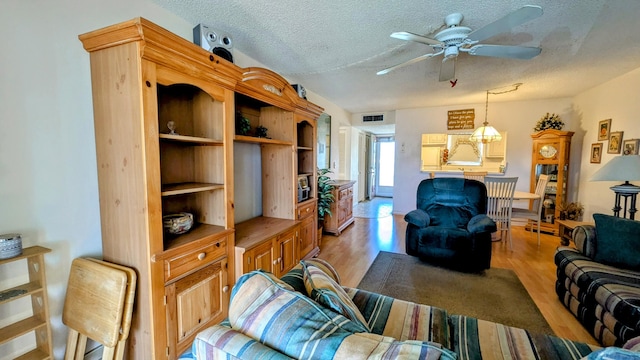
x=565 y=228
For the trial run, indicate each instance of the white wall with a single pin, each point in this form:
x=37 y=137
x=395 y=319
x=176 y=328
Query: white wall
x=619 y=100
x=517 y=118
x=48 y=186
x=48 y=182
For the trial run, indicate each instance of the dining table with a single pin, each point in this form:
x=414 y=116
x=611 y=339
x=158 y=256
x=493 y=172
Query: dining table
x=517 y=195
x=523 y=195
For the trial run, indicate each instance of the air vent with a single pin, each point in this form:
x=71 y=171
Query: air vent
x=369 y=118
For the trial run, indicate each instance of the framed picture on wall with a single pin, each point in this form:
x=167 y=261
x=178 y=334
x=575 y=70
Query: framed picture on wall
x=604 y=128
x=630 y=147
x=615 y=142
x=596 y=153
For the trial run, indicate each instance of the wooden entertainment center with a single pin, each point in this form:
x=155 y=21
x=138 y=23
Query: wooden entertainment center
x=143 y=78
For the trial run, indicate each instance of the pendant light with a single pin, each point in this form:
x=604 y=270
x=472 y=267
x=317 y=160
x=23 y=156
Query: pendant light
x=485 y=133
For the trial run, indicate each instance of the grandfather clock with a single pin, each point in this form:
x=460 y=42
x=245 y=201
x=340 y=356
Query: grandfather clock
x=551 y=157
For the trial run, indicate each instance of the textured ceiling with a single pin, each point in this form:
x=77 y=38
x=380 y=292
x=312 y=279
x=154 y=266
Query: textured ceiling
x=335 y=47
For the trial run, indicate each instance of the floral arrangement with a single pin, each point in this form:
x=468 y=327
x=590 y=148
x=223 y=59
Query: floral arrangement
x=549 y=121
x=571 y=211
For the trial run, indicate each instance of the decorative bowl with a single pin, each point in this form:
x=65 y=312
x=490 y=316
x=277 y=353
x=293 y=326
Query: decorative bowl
x=177 y=224
x=10 y=245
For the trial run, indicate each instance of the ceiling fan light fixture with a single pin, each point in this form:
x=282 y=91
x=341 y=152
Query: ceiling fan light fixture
x=485 y=133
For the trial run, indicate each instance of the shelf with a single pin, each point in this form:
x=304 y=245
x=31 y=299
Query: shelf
x=253 y=231
x=305 y=148
x=188 y=188
x=24 y=290
x=20 y=328
x=27 y=253
x=191 y=139
x=257 y=140
x=199 y=231
x=35 y=354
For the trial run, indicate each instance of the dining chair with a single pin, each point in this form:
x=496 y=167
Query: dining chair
x=474 y=175
x=98 y=305
x=500 y=192
x=533 y=215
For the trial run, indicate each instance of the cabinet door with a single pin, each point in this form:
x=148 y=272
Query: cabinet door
x=194 y=303
x=348 y=203
x=260 y=257
x=288 y=251
x=308 y=233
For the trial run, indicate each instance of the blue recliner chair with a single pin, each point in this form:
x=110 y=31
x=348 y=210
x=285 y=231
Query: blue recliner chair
x=450 y=226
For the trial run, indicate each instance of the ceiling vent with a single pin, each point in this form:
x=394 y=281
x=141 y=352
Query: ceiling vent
x=372 y=118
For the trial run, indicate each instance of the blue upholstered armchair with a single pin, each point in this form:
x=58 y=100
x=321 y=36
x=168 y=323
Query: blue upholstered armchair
x=450 y=226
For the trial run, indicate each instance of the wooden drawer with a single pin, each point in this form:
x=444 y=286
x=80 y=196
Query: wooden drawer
x=344 y=193
x=306 y=210
x=181 y=264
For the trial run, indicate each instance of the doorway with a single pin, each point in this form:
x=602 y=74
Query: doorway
x=385 y=151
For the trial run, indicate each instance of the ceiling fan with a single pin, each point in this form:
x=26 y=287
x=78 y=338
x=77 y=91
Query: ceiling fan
x=456 y=39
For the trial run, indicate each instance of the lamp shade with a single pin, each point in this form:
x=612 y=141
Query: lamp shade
x=485 y=133
x=620 y=168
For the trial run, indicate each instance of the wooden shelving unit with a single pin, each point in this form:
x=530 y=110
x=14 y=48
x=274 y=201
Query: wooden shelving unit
x=164 y=115
x=36 y=288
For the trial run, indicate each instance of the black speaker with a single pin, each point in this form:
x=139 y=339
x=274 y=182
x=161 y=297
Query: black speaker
x=215 y=41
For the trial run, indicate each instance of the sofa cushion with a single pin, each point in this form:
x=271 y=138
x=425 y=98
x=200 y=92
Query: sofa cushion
x=373 y=346
x=265 y=309
x=480 y=339
x=323 y=289
x=402 y=320
x=268 y=310
x=618 y=241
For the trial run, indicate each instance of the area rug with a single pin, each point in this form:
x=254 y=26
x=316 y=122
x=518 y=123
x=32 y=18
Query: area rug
x=496 y=294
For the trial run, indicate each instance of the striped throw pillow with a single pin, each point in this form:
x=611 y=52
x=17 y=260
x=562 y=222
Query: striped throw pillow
x=323 y=289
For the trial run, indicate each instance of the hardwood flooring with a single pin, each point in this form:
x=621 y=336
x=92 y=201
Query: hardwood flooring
x=355 y=249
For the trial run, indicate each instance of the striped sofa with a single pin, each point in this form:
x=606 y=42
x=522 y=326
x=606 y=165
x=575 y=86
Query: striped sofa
x=272 y=318
x=605 y=298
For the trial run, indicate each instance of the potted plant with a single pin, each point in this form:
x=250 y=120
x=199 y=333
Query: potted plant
x=325 y=197
x=571 y=211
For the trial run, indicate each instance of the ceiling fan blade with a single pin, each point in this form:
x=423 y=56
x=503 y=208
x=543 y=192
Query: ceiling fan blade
x=412 y=61
x=448 y=69
x=506 y=51
x=520 y=16
x=403 y=35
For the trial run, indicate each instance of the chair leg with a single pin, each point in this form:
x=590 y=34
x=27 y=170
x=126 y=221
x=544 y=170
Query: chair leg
x=509 y=231
x=538 y=222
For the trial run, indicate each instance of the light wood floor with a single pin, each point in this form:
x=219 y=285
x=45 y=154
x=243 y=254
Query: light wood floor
x=355 y=249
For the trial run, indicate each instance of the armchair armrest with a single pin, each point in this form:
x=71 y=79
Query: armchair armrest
x=418 y=217
x=584 y=236
x=481 y=223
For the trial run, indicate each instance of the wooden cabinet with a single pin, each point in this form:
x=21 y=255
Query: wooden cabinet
x=550 y=156
x=341 y=208
x=38 y=323
x=164 y=117
x=146 y=82
x=269 y=244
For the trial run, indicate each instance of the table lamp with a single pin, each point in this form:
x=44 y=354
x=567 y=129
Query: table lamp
x=622 y=168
